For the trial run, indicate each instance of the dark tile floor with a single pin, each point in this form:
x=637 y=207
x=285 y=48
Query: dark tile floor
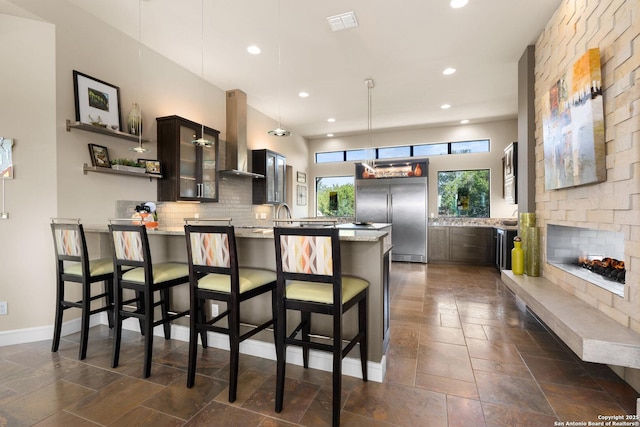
x=462 y=353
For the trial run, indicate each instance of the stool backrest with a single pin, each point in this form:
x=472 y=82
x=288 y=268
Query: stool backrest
x=130 y=246
x=212 y=249
x=309 y=254
x=70 y=243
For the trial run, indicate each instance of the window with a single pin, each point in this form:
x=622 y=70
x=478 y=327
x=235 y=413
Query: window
x=330 y=156
x=353 y=155
x=335 y=196
x=394 y=152
x=481 y=146
x=464 y=193
x=431 y=149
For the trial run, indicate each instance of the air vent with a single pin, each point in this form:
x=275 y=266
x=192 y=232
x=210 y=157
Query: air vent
x=343 y=21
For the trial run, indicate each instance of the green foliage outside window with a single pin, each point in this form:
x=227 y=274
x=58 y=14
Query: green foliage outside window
x=464 y=193
x=328 y=189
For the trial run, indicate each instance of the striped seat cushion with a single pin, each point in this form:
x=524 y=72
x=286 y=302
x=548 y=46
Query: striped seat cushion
x=250 y=278
x=162 y=272
x=323 y=292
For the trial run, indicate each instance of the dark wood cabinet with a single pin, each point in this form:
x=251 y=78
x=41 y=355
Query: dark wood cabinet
x=271 y=188
x=438 y=244
x=461 y=245
x=190 y=171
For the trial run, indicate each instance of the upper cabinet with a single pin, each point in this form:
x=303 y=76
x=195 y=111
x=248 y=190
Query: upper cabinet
x=271 y=188
x=190 y=170
x=511 y=173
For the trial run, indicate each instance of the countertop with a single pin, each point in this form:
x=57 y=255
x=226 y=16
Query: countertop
x=364 y=234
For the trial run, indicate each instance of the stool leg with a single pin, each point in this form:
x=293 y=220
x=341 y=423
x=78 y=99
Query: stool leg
x=148 y=332
x=165 y=307
x=337 y=365
x=109 y=291
x=234 y=344
x=141 y=309
x=281 y=352
x=202 y=318
x=117 y=314
x=84 y=318
x=57 y=328
x=362 y=326
x=195 y=317
x=306 y=330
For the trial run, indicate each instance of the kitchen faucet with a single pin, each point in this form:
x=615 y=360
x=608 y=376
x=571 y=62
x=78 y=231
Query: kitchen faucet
x=513 y=214
x=286 y=208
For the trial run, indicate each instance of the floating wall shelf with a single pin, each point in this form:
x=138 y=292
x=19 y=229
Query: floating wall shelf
x=86 y=168
x=103 y=131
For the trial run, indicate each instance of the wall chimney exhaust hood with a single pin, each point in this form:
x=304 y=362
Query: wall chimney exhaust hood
x=235 y=162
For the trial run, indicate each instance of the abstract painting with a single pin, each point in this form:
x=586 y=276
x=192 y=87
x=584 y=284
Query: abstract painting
x=573 y=126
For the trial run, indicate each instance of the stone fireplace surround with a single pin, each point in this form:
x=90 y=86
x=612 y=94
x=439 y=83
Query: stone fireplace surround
x=565 y=244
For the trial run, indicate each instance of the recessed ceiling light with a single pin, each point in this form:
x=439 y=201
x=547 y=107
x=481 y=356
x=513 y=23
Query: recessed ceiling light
x=448 y=71
x=303 y=94
x=457 y=4
x=330 y=135
x=445 y=106
x=464 y=122
x=331 y=120
x=253 y=49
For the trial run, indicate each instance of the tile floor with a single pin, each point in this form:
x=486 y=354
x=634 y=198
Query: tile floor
x=462 y=353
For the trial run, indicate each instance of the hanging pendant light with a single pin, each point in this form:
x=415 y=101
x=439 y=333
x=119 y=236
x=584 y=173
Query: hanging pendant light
x=370 y=153
x=279 y=131
x=202 y=141
x=138 y=124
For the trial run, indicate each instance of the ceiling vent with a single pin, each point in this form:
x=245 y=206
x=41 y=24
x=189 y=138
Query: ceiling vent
x=343 y=21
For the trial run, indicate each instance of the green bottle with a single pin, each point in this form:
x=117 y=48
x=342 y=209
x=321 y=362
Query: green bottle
x=517 y=256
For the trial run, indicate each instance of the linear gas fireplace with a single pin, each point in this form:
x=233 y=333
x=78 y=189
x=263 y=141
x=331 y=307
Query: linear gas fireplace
x=596 y=256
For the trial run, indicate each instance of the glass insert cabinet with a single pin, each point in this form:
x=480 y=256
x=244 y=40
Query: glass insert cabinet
x=190 y=171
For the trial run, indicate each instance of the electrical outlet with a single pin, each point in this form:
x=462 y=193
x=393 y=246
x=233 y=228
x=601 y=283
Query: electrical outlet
x=4 y=215
x=214 y=309
x=257 y=215
x=3 y=307
x=263 y=215
x=196 y=215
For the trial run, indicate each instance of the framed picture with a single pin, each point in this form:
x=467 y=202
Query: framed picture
x=302 y=177
x=151 y=166
x=97 y=102
x=99 y=156
x=302 y=195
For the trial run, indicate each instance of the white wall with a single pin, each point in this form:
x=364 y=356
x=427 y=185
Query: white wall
x=501 y=133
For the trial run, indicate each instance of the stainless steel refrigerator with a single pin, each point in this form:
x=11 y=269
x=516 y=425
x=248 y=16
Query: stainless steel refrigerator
x=401 y=202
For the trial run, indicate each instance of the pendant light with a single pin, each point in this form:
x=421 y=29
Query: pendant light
x=202 y=141
x=139 y=148
x=370 y=156
x=279 y=131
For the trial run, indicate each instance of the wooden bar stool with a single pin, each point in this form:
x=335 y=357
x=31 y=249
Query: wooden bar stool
x=215 y=275
x=73 y=265
x=310 y=281
x=130 y=246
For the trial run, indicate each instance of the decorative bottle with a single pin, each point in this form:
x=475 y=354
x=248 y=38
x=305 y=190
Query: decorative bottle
x=134 y=120
x=517 y=256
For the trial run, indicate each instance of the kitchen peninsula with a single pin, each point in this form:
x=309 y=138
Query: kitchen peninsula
x=365 y=252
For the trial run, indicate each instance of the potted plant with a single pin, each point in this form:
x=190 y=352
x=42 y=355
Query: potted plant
x=127 y=165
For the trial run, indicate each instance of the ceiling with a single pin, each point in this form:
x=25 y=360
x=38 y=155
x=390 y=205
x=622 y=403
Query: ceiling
x=403 y=46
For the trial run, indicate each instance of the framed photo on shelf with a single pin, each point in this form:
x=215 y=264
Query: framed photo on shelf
x=302 y=195
x=151 y=166
x=97 y=102
x=302 y=177
x=99 y=156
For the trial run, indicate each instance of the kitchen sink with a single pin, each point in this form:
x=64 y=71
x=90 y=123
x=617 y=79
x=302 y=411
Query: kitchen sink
x=510 y=222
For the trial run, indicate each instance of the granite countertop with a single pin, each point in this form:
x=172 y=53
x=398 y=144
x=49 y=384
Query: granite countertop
x=473 y=222
x=352 y=235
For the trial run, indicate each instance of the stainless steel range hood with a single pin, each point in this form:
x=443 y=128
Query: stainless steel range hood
x=235 y=162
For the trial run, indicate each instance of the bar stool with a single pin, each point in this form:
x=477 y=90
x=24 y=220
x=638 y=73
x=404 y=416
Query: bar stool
x=214 y=275
x=130 y=245
x=73 y=265
x=310 y=280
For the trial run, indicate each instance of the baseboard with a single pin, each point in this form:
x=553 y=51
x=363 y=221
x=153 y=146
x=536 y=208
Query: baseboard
x=317 y=359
